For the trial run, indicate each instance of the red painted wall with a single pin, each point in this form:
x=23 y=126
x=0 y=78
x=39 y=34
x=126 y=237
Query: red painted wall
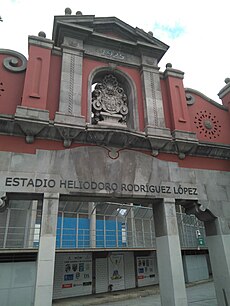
x=9 y=99
x=208 y=121
x=193 y=162
x=166 y=105
x=175 y=105
x=35 y=93
x=18 y=145
x=88 y=66
x=195 y=115
x=203 y=111
x=54 y=85
x=135 y=75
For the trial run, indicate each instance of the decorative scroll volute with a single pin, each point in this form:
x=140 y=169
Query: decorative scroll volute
x=109 y=101
x=16 y=62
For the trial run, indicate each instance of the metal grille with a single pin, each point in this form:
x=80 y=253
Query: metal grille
x=189 y=226
x=91 y=225
x=20 y=224
x=104 y=225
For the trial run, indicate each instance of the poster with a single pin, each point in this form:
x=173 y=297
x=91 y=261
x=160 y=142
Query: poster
x=146 y=270
x=116 y=272
x=77 y=272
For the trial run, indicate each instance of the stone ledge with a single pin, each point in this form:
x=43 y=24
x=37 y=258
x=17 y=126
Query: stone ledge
x=224 y=91
x=158 y=131
x=173 y=72
x=31 y=121
x=159 y=138
x=34 y=114
x=185 y=142
x=69 y=120
x=184 y=136
x=119 y=137
x=41 y=42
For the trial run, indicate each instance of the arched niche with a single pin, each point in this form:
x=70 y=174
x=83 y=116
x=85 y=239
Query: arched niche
x=127 y=84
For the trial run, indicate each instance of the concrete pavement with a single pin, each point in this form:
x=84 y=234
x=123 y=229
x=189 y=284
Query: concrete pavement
x=199 y=294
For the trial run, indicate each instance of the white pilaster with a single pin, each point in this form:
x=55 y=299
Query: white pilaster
x=171 y=275
x=218 y=240
x=46 y=253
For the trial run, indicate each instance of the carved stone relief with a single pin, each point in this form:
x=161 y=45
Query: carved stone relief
x=109 y=102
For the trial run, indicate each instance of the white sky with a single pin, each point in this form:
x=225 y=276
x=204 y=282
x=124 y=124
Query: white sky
x=197 y=31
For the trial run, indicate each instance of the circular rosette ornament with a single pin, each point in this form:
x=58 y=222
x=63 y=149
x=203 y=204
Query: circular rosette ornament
x=207 y=124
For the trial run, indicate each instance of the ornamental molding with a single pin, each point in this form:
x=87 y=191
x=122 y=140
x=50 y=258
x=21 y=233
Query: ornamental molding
x=190 y=99
x=190 y=92
x=118 y=136
x=16 y=62
x=207 y=124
